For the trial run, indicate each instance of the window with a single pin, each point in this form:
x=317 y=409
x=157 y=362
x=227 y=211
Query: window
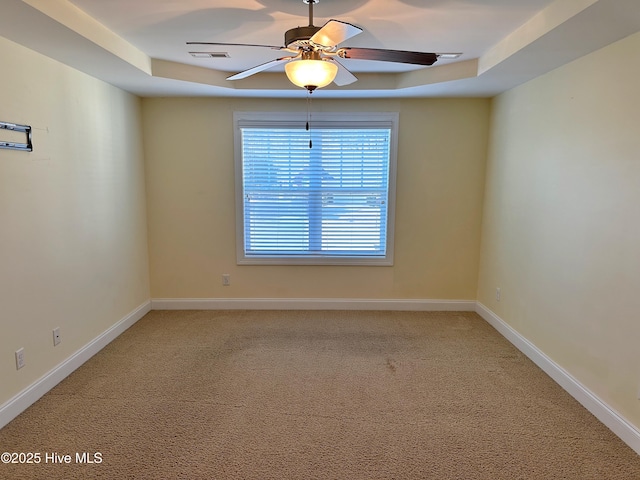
x=329 y=204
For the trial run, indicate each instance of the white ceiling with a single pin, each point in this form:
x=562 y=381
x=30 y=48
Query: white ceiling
x=140 y=45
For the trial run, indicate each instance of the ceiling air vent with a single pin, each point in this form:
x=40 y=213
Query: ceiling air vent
x=209 y=54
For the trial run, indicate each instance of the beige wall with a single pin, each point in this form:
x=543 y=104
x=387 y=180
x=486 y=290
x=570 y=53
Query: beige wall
x=190 y=193
x=73 y=246
x=561 y=232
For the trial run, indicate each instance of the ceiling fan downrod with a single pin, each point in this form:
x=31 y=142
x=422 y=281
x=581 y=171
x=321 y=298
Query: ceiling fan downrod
x=302 y=34
x=310 y=2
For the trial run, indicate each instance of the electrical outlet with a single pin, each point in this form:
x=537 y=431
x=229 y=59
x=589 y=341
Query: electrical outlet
x=56 y=336
x=226 y=279
x=498 y=294
x=19 y=358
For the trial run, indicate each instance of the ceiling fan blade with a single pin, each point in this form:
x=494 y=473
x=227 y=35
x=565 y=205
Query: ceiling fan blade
x=273 y=47
x=334 y=32
x=259 y=68
x=398 y=56
x=344 y=76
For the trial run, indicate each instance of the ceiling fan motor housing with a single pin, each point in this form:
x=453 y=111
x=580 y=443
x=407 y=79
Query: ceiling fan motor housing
x=299 y=33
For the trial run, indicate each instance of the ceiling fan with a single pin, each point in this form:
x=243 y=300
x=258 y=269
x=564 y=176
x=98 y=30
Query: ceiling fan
x=316 y=50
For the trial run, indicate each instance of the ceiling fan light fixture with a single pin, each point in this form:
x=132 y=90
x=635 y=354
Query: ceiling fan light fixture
x=311 y=74
x=314 y=66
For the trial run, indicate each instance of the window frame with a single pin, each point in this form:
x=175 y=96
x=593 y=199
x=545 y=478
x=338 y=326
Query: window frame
x=242 y=120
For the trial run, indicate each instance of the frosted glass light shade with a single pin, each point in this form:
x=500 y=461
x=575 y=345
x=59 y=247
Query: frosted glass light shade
x=311 y=73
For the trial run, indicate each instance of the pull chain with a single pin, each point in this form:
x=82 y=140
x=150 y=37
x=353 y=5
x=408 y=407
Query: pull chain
x=309 y=118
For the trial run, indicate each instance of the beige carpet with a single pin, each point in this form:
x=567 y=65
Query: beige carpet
x=314 y=395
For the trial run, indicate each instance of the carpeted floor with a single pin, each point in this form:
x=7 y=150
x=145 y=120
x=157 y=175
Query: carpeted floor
x=314 y=395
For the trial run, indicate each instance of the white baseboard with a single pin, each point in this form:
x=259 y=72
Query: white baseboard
x=20 y=402
x=616 y=422
x=311 y=304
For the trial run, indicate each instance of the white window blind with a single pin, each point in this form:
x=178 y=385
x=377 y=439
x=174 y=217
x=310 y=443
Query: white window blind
x=325 y=204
